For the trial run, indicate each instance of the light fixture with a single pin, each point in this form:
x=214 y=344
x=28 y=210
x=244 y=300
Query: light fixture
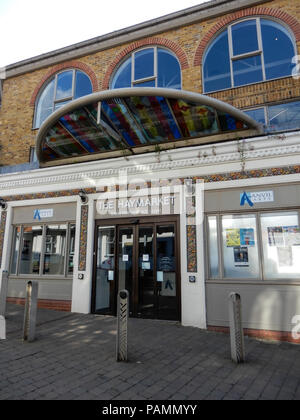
x=83 y=196
x=3 y=204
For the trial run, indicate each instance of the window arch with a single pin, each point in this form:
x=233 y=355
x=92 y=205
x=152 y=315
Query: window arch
x=148 y=67
x=61 y=89
x=248 y=51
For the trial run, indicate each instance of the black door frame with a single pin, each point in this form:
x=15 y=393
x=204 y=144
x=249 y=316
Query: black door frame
x=135 y=223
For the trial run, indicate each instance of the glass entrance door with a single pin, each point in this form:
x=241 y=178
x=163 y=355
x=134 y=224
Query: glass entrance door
x=141 y=258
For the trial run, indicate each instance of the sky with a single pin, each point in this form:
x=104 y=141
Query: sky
x=32 y=27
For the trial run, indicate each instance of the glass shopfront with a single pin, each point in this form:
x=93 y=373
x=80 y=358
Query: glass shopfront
x=140 y=256
x=254 y=246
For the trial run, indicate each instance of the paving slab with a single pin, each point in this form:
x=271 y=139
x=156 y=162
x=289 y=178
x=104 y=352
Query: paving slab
x=73 y=358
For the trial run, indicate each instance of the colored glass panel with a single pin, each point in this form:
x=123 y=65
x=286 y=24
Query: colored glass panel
x=130 y=122
x=194 y=120
x=86 y=132
x=118 y=114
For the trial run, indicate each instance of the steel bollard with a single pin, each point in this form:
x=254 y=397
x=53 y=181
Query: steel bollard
x=3 y=292
x=122 y=329
x=30 y=311
x=236 y=329
x=2 y=328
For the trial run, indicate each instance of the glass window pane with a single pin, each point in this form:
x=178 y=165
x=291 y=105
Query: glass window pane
x=71 y=249
x=247 y=70
x=240 y=251
x=64 y=85
x=278 y=49
x=244 y=37
x=213 y=247
x=83 y=85
x=281 y=245
x=55 y=250
x=15 y=250
x=122 y=78
x=169 y=73
x=257 y=114
x=31 y=250
x=105 y=267
x=45 y=104
x=144 y=64
x=284 y=116
x=146 y=272
x=216 y=67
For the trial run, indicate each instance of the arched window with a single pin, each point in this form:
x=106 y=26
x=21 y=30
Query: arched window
x=250 y=51
x=61 y=89
x=148 y=67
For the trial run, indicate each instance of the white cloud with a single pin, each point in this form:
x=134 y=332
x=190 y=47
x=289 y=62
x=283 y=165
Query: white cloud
x=32 y=27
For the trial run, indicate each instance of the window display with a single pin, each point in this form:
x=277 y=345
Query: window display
x=267 y=252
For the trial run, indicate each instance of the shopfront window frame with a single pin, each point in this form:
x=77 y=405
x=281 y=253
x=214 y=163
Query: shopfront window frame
x=41 y=275
x=262 y=278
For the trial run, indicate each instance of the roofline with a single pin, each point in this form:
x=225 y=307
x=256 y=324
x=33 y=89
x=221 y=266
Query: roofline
x=152 y=27
x=126 y=92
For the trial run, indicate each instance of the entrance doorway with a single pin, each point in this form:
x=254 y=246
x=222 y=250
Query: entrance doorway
x=142 y=257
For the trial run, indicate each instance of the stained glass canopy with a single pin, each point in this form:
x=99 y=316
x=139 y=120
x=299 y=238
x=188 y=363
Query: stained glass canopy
x=126 y=122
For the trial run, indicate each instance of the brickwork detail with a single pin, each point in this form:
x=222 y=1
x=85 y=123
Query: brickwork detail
x=57 y=305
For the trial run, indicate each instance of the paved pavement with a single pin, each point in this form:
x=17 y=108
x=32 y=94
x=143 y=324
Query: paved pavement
x=73 y=358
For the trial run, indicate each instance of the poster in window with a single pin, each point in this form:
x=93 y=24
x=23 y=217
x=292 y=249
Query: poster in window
x=291 y=235
x=247 y=237
x=241 y=256
x=233 y=238
x=275 y=236
x=285 y=256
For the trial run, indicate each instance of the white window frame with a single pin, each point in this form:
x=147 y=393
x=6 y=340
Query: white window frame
x=54 y=100
x=260 y=51
x=137 y=82
x=41 y=275
x=262 y=278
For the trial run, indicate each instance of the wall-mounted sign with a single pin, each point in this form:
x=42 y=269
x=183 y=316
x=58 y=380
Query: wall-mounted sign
x=42 y=214
x=252 y=198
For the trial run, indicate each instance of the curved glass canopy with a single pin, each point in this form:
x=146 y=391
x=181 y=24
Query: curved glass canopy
x=125 y=122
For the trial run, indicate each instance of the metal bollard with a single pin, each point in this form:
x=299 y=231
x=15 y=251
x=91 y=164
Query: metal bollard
x=3 y=293
x=2 y=328
x=122 y=329
x=236 y=329
x=30 y=311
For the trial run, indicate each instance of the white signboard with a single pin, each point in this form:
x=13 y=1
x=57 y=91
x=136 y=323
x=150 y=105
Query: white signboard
x=259 y=197
x=43 y=214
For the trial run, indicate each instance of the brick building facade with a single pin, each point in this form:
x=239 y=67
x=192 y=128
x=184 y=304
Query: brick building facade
x=267 y=161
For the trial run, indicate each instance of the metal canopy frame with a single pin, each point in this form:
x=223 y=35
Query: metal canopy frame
x=252 y=127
